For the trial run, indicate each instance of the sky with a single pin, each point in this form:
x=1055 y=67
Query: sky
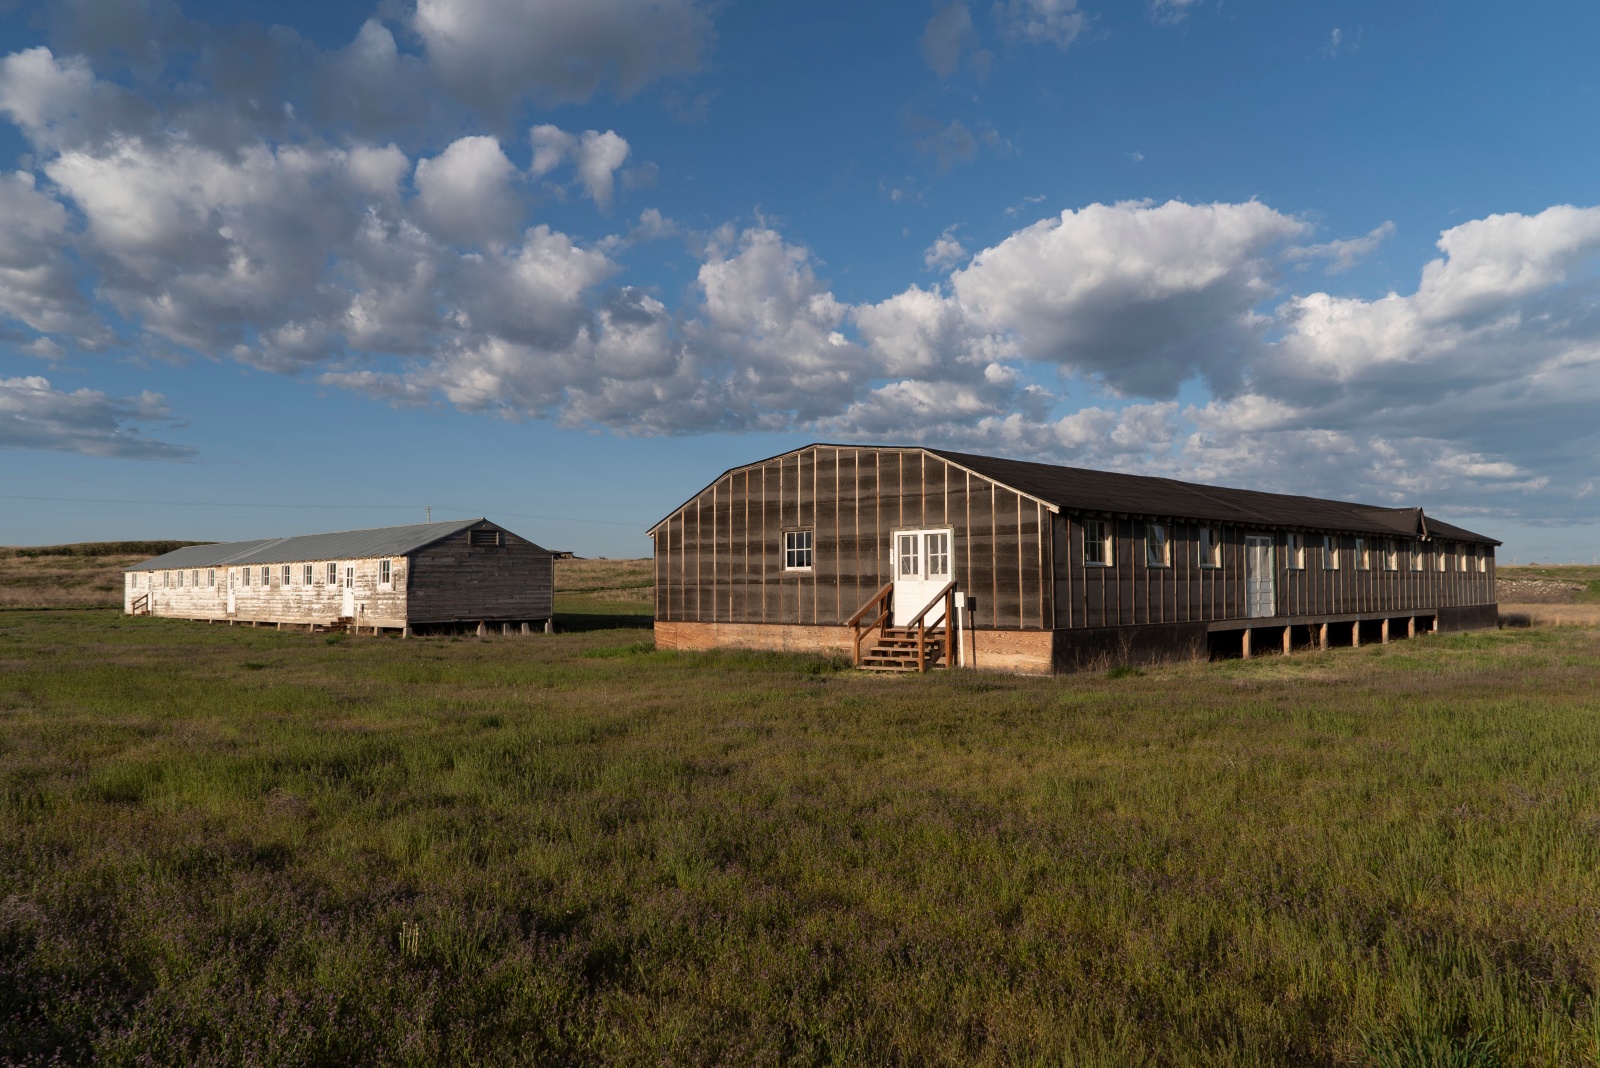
x=278 y=268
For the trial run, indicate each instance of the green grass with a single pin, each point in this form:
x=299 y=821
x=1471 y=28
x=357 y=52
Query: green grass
x=225 y=845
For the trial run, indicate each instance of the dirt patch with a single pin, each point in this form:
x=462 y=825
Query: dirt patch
x=1537 y=591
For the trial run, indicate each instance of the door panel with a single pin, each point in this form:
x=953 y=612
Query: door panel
x=921 y=567
x=349 y=591
x=1260 y=577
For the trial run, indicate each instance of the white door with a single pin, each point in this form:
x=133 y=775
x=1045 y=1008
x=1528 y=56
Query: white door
x=1260 y=577
x=920 y=560
x=349 y=591
x=233 y=595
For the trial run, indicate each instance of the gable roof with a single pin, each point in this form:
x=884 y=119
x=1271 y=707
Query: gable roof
x=341 y=545
x=1084 y=489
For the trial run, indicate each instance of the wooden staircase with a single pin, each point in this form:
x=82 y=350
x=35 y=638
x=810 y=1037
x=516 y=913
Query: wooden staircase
x=140 y=605
x=897 y=649
x=917 y=646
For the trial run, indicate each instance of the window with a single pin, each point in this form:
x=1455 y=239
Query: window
x=305 y=575
x=211 y=578
x=194 y=578
x=1295 y=544
x=285 y=578
x=489 y=538
x=938 y=547
x=1096 y=543
x=1210 y=547
x=383 y=572
x=1156 y=550
x=245 y=571
x=1363 y=555
x=1391 y=555
x=1330 y=553
x=166 y=579
x=333 y=574
x=349 y=577
x=1441 y=558
x=1482 y=555
x=1417 y=558
x=266 y=576
x=1461 y=557
x=797 y=550
x=908 y=564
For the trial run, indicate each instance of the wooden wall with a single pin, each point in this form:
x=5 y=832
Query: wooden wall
x=453 y=580
x=719 y=558
x=320 y=602
x=1131 y=592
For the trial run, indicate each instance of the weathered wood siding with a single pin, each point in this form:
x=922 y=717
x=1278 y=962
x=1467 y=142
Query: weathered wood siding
x=719 y=558
x=453 y=580
x=275 y=601
x=1131 y=592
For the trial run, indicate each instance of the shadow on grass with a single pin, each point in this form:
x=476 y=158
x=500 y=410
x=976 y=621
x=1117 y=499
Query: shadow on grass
x=580 y=622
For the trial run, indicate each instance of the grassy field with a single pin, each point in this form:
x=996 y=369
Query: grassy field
x=85 y=575
x=223 y=845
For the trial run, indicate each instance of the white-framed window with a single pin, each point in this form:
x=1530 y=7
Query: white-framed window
x=1330 y=552
x=266 y=576
x=1363 y=555
x=1391 y=555
x=1418 y=557
x=1097 y=543
x=211 y=578
x=797 y=550
x=1157 y=548
x=1441 y=557
x=1210 y=547
x=194 y=578
x=244 y=573
x=166 y=579
x=1295 y=551
x=286 y=577
x=1461 y=557
x=907 y=562
x=384 y=573
x=333 y=574
x=1482 y=553
x=305 y=574
x=349 y=576
x=937 y=546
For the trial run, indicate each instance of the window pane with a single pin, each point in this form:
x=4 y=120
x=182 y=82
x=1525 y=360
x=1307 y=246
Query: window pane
x=909 y=564
x=938 y=546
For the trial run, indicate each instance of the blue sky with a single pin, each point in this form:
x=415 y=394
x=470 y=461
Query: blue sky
x=277 y=268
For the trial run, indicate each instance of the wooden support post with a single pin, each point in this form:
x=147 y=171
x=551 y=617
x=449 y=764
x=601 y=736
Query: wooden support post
x=406 y=633
x=1245 y=646
x=550 y=626
x=505 y=629
x=1288 y=638
x=1385 y=632
x=1355 y=634
x=280 y=624
x=1411 y=626
x=1322 y=637
x=527 y=628
x=1435 y=627
x=483 y=630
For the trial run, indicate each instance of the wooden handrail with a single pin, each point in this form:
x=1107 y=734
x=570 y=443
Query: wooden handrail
x=920 y=621
x=143 y=600
x=888 y=588
x=883 y=598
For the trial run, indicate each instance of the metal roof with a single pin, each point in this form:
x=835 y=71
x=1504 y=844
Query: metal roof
x=342 y=545
x=1080 y=488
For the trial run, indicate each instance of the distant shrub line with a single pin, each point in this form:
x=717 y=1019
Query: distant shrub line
x=105 y=548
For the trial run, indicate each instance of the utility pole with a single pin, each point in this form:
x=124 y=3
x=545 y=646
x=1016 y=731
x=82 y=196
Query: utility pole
x=429 y=510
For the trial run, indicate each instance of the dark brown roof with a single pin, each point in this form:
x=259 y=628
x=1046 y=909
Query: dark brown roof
x=1109 y=491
